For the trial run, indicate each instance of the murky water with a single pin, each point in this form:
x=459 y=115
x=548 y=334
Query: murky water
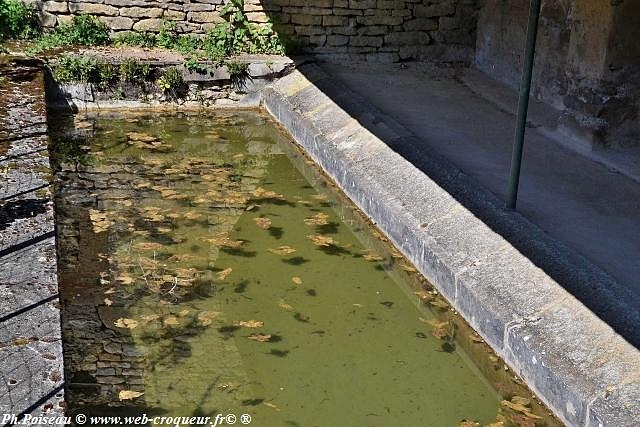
x=202 y=272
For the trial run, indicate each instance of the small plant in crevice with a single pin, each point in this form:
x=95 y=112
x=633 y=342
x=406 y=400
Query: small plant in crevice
x=17 y=20
x=195 y=66
x=238 y=73
x=171 y=82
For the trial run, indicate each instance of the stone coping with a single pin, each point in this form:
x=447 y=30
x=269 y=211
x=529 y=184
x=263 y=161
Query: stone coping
x=576 y=363
x=31 y=364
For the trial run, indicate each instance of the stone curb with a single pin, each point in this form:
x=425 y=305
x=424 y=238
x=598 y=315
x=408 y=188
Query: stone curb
x=31 y=361
x=577 y=364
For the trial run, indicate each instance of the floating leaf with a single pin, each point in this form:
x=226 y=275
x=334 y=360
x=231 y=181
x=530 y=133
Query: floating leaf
x=271 y=405
x=107 y=302
x=282 y=250
x=171 y=321
x=126 y=323
x=296 y=280
x=320 y=218
x=125 y=279
x=147 y=246
x=142 y=137
x=260 y=337
x=192 y=215
x=206 y=317
x=283 y=305
x=261 y=193
x=424 y=296
x=129 y=394
x=372 y=257
x=440 y=303
x=408 y=268
x=264 y=223
x=221 y=275
x=251 y=323
x=223 y=240
x=320 y=240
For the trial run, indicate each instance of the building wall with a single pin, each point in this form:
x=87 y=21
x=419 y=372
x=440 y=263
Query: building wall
x=586 y=58
x=387 y=30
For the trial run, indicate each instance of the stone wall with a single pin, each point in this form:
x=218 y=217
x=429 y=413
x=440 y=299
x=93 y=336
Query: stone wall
x=390 y=30
x=586 y=62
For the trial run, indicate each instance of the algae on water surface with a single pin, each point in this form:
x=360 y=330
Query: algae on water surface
x=203 y=273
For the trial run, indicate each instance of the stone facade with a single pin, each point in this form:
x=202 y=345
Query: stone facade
x=389 y=30
x=586 y=65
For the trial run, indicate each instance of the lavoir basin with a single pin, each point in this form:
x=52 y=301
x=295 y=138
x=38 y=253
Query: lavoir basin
x=208 y=267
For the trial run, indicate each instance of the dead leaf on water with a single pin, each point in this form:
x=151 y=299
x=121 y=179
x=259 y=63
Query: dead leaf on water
x=171 y=321
x=320 y=240
x=147 y=246
x=125 y=279
x=222 y=240
x=271 y=405
x=264 y=223
x=296 y=280
x=126 y=323
x=251 y=323
x=319 y=197
x=282 y=250
x=283 y=305
x=372 y=257
x=129 y=394
x=108 y=302
x=261 y=193
x=192 y=215
x=408 y=268
x=440 y=303
x=206 y=317
x=260 y=337
x=221 y=275
x=320 y=218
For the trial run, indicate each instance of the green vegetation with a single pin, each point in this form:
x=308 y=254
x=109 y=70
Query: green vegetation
x=195 y=66
x=82 y=30
x=89 y=69
x=239 y=72
x=17 y=20
x=171 y=82
x=132 y=70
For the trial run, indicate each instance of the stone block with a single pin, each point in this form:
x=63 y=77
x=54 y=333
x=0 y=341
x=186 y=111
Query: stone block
x=152 y=24
x=141 y=12
x=117 y=22
x=93 y=9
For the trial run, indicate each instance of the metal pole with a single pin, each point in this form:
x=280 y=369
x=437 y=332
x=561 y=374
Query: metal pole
x=523 y=103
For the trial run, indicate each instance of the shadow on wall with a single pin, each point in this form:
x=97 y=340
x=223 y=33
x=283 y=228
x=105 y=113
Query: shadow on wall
x=376 y=30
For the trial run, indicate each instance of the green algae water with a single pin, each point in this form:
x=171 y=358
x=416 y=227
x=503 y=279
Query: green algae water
x=207 y=267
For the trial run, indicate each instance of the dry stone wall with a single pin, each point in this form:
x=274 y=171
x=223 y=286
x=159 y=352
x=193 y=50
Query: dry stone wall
x=442 y=30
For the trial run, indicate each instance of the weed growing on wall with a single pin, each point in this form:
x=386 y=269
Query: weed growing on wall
x=17 y=20
x=82 y=30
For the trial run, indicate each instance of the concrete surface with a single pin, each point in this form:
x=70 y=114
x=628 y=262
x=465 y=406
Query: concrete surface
x=576 y=363
x=582 y=203
x=31 y=365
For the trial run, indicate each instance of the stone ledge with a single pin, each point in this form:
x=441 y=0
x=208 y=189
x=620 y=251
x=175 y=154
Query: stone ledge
x=579 y=366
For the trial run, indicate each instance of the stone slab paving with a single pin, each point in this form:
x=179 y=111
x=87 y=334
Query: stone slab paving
x=577 y=364
x=31 y=365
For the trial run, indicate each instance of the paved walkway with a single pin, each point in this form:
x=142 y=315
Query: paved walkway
x=465 y=117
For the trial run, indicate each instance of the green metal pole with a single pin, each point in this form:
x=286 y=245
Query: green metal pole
x=523 y=103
